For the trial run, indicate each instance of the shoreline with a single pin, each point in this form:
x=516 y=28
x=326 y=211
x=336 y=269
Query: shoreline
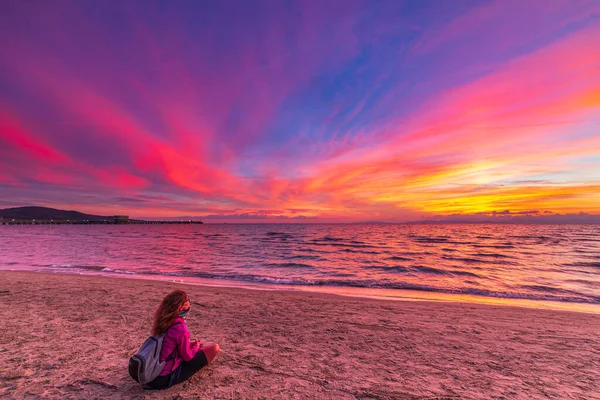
x=70 y=336
x=348 y=291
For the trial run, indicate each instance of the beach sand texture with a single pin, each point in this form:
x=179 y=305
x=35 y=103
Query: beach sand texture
x=70 y=336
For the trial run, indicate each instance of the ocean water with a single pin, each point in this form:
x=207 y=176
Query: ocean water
x=537 y=262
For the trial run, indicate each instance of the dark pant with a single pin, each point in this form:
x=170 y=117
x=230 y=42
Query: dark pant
x=183 y=372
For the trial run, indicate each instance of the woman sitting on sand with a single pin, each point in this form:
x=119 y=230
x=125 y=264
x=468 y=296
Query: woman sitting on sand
x=190 y=357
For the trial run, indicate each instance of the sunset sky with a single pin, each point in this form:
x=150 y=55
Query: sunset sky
x=301 y=110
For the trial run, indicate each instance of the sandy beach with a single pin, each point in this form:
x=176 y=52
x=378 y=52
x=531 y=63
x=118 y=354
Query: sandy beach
x=70 y=336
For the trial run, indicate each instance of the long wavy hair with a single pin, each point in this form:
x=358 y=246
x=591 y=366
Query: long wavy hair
x=168 y=311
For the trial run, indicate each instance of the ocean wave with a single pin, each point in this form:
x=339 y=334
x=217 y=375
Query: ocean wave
x=494 y=246
x=463 y=259
x=592 y=264
x=531 y=237
x=290 y=265
x=530 y=292
x=428 y=239
x=302 y=257
x=564 y=296
x=278 y=235
x=359 y=251
x=337 y=244
x=429 y=270
x=398 y=258
x=205 y=235
x=563 y=293
x=383 y=268
x=117 y=271
x=436 y=271
x=82 y=267
x=492 y=255
x=586 y=240
x=543 y=288
x=585 y=282
x=307 y=250
x=464 y=273
x=332 y=239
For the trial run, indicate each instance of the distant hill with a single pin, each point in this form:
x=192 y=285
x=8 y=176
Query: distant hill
x=45 y=213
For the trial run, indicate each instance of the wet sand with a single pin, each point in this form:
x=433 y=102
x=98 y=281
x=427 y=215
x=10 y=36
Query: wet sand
x=70 y=336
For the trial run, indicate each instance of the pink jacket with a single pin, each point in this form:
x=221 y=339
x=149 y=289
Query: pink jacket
x=177 y=336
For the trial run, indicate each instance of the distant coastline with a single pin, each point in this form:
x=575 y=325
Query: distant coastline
x=51 y=216
x=107 y=222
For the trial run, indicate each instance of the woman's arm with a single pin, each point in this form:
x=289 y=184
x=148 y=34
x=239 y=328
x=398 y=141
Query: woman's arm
x=186 y=350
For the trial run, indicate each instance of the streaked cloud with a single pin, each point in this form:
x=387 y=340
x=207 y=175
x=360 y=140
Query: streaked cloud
x=337 y=111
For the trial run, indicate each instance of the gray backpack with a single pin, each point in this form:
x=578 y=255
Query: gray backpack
x=145 y=365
